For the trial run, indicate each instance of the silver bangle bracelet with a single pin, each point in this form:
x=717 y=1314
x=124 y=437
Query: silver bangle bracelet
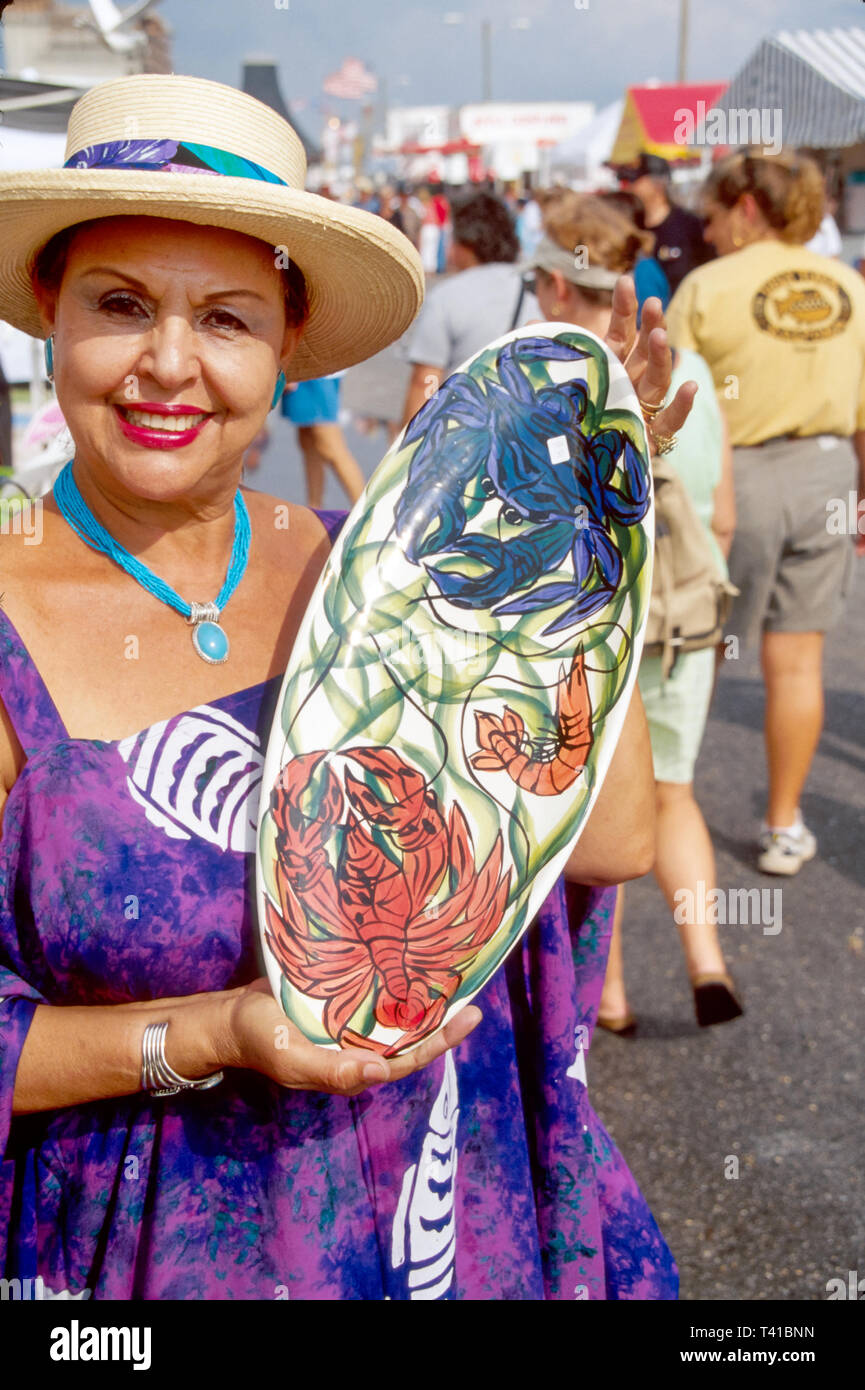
x=157 y=1077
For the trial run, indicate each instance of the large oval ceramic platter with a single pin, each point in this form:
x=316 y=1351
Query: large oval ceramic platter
x=456 y=691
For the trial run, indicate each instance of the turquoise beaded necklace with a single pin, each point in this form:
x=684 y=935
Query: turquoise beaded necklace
x=208 y=638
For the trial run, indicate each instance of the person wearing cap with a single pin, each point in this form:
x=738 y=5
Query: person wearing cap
x=679 y=243
x=165 y=1131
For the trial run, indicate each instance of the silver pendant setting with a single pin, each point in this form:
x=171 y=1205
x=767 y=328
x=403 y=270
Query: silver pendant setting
x=208 y=638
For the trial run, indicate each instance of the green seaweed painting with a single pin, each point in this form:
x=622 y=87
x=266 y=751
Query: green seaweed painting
x=456 y=692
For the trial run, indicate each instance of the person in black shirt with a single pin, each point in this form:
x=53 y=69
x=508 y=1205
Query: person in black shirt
x=679 y=244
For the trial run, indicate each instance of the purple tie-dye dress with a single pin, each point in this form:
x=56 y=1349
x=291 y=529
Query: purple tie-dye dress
x=127 y=872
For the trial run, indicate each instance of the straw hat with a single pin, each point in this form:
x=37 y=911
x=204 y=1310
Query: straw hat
x=210 y=154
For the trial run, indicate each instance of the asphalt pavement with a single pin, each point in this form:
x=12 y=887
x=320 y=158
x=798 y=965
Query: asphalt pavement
x=779 y=1091
x=747 y=1138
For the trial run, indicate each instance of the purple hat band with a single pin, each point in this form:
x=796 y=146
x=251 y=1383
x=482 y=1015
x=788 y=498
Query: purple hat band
x=172 y=157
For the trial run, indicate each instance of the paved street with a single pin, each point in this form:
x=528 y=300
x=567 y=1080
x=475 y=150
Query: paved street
x=781 y=1089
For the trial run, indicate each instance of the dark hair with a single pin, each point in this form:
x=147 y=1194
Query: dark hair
x=787 y=188
x=50 y=265
x=628 y=204
x=484 y=224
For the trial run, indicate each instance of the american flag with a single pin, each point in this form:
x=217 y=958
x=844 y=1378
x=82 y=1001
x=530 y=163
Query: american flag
x=353 y=80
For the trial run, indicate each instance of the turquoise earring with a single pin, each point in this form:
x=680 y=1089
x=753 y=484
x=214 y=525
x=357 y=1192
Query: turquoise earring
x=49 y=357
x=278 y=390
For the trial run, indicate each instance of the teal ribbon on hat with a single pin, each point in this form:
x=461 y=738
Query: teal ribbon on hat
x=170 y=156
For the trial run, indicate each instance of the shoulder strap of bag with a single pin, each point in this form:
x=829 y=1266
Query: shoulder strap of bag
x=520 y=297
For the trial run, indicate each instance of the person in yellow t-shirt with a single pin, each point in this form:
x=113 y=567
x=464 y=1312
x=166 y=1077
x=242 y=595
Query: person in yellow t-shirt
x=783 y=332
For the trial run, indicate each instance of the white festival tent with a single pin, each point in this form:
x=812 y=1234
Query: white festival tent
x=582 y=156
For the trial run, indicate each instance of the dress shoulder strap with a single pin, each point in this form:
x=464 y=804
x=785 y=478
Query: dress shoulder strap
x=31 y=709
x=332 y=521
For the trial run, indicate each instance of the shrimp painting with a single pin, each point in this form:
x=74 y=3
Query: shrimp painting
x=455 y=692
x=546 y=767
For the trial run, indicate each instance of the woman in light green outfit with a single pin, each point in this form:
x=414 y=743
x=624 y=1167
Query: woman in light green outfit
x=677 y=708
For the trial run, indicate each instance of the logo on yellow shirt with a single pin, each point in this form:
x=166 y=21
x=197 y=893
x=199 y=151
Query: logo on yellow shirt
x=802 y=305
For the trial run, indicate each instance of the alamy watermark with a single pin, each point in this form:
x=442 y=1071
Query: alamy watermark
x=23 y=1290
x=35 y=1290
x=433 y=651
x=754 y=126
x=850 y=1288
x=22 y=516
x=721 y=907
x=77 y=1343
x=845 y=517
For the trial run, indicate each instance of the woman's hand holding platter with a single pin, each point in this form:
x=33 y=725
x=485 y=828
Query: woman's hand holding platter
x=256 y=1034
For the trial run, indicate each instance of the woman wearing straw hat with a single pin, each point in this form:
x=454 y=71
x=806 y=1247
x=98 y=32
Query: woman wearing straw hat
x=164 y=1131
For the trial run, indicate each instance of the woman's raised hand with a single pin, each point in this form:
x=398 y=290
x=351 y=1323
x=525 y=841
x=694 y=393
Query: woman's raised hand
x=257 y=1035
x=646 y=356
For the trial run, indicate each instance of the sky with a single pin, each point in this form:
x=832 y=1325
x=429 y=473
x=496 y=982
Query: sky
x=576 y=50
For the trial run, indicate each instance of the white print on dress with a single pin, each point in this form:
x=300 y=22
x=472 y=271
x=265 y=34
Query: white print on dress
x=577 y=1069
x=198 y=775
x=423 y=1229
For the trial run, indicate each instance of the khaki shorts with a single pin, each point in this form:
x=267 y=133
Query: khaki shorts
x=793 y=572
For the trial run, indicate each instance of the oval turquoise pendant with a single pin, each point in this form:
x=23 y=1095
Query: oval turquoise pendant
x=210 y=642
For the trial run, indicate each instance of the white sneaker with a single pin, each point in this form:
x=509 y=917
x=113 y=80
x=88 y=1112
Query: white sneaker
x=784 y=851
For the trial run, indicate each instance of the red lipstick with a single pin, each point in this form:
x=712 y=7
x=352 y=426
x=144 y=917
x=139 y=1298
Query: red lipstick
x=150 y=437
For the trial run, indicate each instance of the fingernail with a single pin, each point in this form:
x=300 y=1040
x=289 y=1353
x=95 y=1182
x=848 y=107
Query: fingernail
x=373 y=1073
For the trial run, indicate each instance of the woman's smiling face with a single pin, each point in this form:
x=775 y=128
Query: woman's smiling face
x=150 y=314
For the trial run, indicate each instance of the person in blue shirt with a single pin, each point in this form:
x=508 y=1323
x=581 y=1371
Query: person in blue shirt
x=649 y=275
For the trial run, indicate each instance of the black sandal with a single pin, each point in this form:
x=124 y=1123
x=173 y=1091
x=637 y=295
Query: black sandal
x=715 y=1000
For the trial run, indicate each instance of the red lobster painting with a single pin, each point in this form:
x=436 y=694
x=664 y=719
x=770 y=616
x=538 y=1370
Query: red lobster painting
x=357 y=884
x=543 y=766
